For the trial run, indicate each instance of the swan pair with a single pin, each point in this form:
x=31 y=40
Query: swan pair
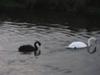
x=90 y=45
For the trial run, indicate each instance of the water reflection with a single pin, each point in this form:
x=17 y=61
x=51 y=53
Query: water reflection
x=53 y=38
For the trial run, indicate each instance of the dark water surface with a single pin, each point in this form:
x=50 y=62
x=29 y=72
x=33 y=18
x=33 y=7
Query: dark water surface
x=55 y=58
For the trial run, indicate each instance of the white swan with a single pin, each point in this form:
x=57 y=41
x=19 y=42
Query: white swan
x=91 y=44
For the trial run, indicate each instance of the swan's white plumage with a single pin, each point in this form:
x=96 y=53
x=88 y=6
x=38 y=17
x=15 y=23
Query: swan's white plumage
x=77 y=45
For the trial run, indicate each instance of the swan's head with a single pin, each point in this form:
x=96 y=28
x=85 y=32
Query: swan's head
x=92 y=45
x=92 y=41
x=37 y=42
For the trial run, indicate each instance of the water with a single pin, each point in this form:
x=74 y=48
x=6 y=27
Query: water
x=55 y=58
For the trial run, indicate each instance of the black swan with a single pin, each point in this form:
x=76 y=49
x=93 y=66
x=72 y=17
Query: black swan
x=27 y=49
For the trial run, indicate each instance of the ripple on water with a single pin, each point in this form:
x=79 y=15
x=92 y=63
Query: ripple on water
x=55 y=59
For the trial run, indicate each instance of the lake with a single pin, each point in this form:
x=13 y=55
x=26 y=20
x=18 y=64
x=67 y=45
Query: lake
x=55 y=59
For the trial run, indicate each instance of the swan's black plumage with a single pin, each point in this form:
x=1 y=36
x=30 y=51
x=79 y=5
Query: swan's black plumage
x=27 y=49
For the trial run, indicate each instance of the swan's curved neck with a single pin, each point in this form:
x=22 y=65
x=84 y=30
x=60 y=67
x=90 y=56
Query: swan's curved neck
x=92 y=45
x=90 y=41
x=36 y=45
